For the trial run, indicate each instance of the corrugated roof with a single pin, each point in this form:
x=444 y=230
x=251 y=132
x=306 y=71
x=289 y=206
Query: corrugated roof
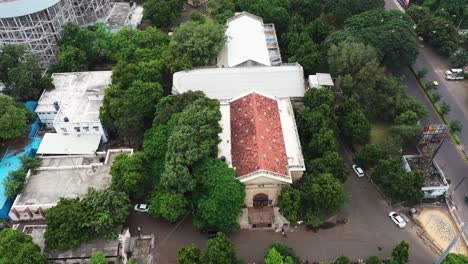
x=257 y=136
x=16 y=8
x=226 y=83
x=72 y=144
x=245 y=40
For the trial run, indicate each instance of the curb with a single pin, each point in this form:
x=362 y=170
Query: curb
x=459 y=147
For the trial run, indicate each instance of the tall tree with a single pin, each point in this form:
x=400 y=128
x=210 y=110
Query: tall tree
x=221 y=196
x=400 y=253
x=189 y=255
x=219 y=250
x=129 y=174
x=13 y=118
x=350 y=57
x=98 y=257
x=171 y=206
x=285 y=252
x=163 y=13
x=201 y=42
x=18 y=248
x=332 y=163
x=344 y=9
x=440 y=33
x=289 y=202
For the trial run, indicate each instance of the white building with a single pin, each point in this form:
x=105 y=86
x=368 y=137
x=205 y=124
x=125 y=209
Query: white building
x=249 y=42
x=62 y=176
x=284 y=81
x=73 y=106
x=260 y=141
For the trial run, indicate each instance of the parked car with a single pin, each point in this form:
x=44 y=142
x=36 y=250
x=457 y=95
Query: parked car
x=141 y=208
x=397 y=219
x=454 y=74
x=359 y=172
x=211 y=235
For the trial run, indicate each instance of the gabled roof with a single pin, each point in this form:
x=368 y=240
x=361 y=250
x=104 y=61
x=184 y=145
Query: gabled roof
x=245 y=41
x=257 y=136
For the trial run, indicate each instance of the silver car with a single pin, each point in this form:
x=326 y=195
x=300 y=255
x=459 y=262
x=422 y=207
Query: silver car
x=397 y=219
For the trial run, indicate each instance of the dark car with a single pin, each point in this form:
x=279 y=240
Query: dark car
x=211 y=235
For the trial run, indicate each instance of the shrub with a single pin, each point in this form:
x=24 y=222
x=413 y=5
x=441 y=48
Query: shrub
x=456 y=126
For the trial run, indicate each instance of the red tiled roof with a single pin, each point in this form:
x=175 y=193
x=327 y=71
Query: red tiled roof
x=257 y=140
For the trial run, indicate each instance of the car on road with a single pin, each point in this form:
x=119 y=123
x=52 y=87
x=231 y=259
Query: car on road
x=435 y=83
x=397 y=219
x=454 y=74
x=141 y=208
x=359 y=172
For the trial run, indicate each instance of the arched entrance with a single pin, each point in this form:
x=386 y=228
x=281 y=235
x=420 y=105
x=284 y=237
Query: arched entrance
x=260 y=200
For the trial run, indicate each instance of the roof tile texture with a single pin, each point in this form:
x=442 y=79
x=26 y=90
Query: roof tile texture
x=256 y=135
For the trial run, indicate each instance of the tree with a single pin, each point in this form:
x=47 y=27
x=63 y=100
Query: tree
x=221 y=10
x=273 y=257
x=401 y=252
x=170 y=206
x=318 y=30
x=439 y=33
x=436 y=97
x=409 y=136
x=219 y=250
x=323 y=193
x=163 y=13
x=373 y=260
x=456 y=126
x=289 y=202
x=21 y=73
x=220 y=196
x=314 y=219
x=344 y=9
x=350 y=57
x=286 y=252
x=17 y=247
x=342 y=260
x=459 y=58
x=303 y=50
x=98 y=257
x=201 y=42
x=369 y=155
x=196 y=16
x=189 y=255
x=453 y=258
x=408 y=118
x=272 y=11
x=356 y=127
x=15 y=181
x=129 y=174
x=70 y=59
x=308 y=9
x=332 y=163
x=444 y=108
x=323 y=141
x=194 y=137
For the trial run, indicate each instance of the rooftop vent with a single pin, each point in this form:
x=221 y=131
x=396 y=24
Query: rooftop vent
x=66 y=119
x=56 y=105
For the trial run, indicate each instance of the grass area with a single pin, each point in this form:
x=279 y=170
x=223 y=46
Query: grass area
x=379 y=132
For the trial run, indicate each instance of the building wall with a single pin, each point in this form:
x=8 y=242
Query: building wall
x=270 y=187
x=29 y=212
x=81 y=128
x=47 y=118
x=296 y=175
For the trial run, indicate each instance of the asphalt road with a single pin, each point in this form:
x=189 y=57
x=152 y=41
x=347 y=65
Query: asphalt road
x=368 y=231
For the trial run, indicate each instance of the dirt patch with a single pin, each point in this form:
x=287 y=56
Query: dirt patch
x=440 y=228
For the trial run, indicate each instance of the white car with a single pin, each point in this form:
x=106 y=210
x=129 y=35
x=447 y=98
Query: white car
x=397 y=219
x=141 y=208
x=359 y=172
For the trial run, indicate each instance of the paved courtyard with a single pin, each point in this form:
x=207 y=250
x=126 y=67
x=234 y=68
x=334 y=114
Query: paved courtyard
x=368 y=231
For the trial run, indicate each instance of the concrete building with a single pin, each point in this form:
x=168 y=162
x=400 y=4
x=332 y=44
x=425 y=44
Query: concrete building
x=249 y=42
x=71 y=144
x=73 y=106
x=260 y=140
x=124 y=14
x=284 y=81
x=62 y=176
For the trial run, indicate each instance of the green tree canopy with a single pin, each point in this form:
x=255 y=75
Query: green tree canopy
x=369 y=155
x=21 y=74
x=219 y=250
x=373 y=260
x=13 y=118
x=318 y=30
x=408 y=118
x=18 y=248
x=98 y=257
x=201 y=42
x=453 y=258
x=221 y=10
x=303 y=50
x=285 y=252
x=332 y=163
x=15 y=181
x=289 y=202
x=221 y=196
x=353 y=122
x=272 y=11
x=129 y=174
x=350 y=57
x=400 y=253
x=344 y=9
x=163 y=13
x=439 y=33
x=189 y=255
x=342 y=260
x=170 y=206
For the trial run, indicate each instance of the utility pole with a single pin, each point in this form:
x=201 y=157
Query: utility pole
x=452 y=244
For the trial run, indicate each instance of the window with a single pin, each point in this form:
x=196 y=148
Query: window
x=77 y=129
x=86 y=129
x=64 y=130
x=95 y=128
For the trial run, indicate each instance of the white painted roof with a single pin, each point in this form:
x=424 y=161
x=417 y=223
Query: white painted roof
x=320 y=80
x=245 y=40
x=72 y=144
x=226 y=83
x=16 y=8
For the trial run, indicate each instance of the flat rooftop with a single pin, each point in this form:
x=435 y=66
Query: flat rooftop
x=79 y=95
x=67 y=176
x=124 y=14
x=69 y=144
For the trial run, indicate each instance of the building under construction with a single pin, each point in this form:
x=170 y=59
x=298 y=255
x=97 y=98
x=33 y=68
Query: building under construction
x=37 y=24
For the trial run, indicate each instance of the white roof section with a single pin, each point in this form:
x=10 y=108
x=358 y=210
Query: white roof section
x=225 y=83
x=245 y=40
x=69 y=144
x=320 y=80
x=16 y=8
x=79 y=95
x=224 y=147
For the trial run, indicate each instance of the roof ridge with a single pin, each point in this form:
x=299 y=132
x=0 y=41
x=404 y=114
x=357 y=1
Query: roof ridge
x=257 y=130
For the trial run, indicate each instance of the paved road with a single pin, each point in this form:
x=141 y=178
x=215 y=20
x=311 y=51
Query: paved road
x=367 y=230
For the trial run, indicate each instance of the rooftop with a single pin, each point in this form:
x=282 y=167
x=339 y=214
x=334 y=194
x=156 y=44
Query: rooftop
x=79 y=95
x=433 y=175
x=245 y=40
x=16 y=8
x=68 y=176
x=124 y=14
x=257 y=136
x=226 y=83
x=320 y=80
x=69 y=144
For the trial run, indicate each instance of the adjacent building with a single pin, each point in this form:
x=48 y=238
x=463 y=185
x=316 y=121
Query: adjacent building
x=260 y=141
x=73 y=106
x=62 y=176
